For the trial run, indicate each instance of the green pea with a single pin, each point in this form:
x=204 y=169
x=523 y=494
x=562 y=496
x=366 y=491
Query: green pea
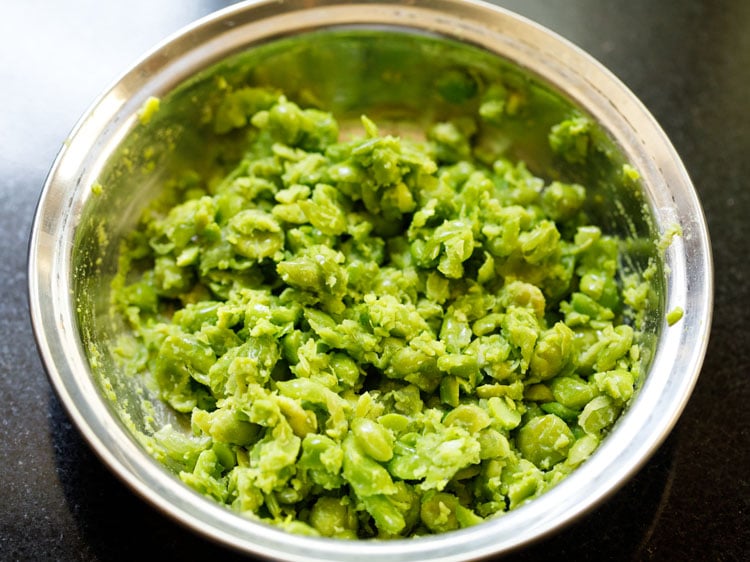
x=562 y=412
x=538 y=393
x=545 y=440
x=455 y=332
x=388 y=518
x=493 y=444
x=571 y=139
x=334 y=517
x=487 y=324
x=525 y=295
x=226 y=426
x=374 y=439
x=552 y=351
x=540 y=243
x=589 y=308
x=617 y=384
x=206 y=476
x=598 y=415
x=572 y=392
x=523 y=482
x=301 y=421
x=170 y=279
x=301 y=273
x=143 y=295
x=397 y=423
x=449 y=390
x=561 y=201
x=438 y=512
x=617 y=342
x=316 y=269
x=255 y=234
x=241 y=484
x=504 y=413
x=365 y=475
x=521 y=328
x=470 y=417
x=345 y=368
x=581 y=450
x=322 y=460
x=324 y=211
x=459 y=365
x=408 y=361
x=466 y=517
x=182 y=358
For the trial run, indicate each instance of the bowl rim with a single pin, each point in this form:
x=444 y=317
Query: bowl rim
x=651 y=416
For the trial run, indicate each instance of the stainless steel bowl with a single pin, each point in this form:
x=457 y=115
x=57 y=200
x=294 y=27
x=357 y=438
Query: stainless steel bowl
x=340 y=53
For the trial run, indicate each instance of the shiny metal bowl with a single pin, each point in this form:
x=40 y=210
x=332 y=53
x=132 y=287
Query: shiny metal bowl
x=341 y=54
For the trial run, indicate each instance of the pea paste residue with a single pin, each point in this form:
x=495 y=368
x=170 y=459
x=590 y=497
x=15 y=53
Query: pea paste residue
x=377 y=337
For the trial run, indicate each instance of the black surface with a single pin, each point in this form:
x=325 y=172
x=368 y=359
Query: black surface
x=688 y=61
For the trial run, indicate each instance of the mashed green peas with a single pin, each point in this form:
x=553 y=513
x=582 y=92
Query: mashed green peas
x=376 y=337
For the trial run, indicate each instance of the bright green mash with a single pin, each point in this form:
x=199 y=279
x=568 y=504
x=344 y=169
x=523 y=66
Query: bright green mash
x=377 y=337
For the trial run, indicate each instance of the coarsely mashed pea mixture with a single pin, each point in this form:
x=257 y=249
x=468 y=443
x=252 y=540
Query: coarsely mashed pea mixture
x=377 y=337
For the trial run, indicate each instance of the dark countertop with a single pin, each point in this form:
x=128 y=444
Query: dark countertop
x=687 y=60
